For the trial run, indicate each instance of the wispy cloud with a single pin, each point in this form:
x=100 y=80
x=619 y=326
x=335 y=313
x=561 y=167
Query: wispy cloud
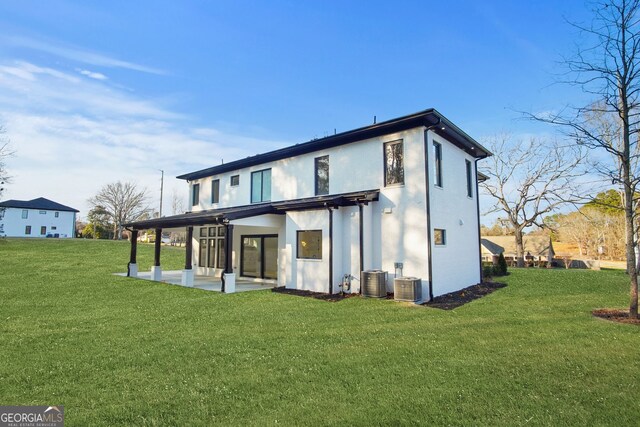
x=77 y=54
x=73 y=135
x=92 y=74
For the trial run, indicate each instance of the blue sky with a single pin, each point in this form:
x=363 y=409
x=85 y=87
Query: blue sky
x=92 y=92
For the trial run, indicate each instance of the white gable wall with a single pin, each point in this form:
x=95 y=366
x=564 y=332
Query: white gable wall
x=14 y=225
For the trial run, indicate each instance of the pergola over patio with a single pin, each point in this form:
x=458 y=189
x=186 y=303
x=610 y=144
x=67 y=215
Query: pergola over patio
x=224 y=217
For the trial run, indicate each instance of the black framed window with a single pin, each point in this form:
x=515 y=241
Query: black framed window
x=235 y=180
x=195 y=194
x=25 y=214
x=469 y=178
x=322 y=175
x=57 y=214
x=440 y=236
x=203 y=231
x=212 y=231
x=309 y=244
x=221 y=253
x=27 y=230
x=202 y=255
x=261 y=186
x=215 y=191
x=437 y=158
x=43 y=230
x=393 y=163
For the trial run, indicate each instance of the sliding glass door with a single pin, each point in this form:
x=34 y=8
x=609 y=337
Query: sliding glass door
x=259 y=256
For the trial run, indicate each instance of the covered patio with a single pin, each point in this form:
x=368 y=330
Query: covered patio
x=205 y=283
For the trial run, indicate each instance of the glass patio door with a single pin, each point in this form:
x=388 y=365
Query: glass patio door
x=259 y=257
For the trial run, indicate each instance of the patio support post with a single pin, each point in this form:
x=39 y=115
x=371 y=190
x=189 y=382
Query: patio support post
x=156 y=270
x=132 y=268
x=229 y=283
x=187 y=273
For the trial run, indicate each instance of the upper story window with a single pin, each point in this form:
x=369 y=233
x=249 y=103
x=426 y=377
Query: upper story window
x=235 y=180
x=42 y=212
x=322 y=175
x=437 y=158
x=393 y=163
x=195 y=194
x=57 y=214
x=25 y=214
x=469 y=178
x=215 y=191
x=261 y=186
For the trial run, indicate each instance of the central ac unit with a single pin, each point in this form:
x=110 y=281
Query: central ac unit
x=407 y=289
x=373 y=284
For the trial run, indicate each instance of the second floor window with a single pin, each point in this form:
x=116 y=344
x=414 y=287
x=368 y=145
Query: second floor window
x=437 y=159
x=195 y=194
x=393 y=163
x=261 y=186
x=322 y=175
x=25 y=214
x=469 y=179
x=215 y=191
x=235 y=180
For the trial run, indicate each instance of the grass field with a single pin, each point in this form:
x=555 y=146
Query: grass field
x=118 y=351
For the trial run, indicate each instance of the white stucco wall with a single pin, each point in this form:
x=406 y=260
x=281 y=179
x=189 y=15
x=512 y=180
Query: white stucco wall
x=456 y=265
x=14 y=225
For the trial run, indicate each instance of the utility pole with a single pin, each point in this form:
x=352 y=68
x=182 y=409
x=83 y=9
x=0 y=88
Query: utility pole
x=161 y=190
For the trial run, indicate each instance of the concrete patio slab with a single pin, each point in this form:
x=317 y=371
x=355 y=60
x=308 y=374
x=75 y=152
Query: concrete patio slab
x=206 y=283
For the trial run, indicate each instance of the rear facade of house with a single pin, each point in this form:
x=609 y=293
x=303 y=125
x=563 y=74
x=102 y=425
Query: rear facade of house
x=399 y=196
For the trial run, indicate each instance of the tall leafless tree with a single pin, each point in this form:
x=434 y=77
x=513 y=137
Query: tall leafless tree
x=529 y=180
x=5 y=152
x=123 y=202
x=608 y=68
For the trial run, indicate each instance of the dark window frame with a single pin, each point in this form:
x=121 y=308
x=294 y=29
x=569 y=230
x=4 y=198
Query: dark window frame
x=57 y=214
x=202 y=254
x=27 y=230
x=444 y=236
x=203 y=231
x=237 y=180
x=437 y=160
x=469 y=178
x=25 y=214
x=215 y=191
x=262 y=186
x=316 y=162
x=261 y=238
x=43 y=230
x=298 y=232
x=195 y=194
x=387 y=174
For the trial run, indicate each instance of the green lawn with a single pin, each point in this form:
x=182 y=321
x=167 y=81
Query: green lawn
x=119 y=351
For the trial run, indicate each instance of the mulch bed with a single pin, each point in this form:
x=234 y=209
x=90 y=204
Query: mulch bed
x=614 y=315
x=459 y=298
x=316 y=295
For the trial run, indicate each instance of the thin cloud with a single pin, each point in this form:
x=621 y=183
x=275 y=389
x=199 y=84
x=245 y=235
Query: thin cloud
x=92 y=74
x=78 y=54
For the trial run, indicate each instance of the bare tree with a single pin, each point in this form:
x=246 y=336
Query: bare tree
x=609 y=69
x=177 y=205
x=123 y=202
x=529 y=180
x=5 y=152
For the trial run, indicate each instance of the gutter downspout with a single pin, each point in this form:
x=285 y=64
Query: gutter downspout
x=330 y=248
x=361 y=232
x=478 y=217
x=428 y=202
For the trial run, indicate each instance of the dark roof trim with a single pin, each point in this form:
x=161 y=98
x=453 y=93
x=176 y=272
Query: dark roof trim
x=482 y=177
x=428 y=118
x=40 y=203
x=219 y=216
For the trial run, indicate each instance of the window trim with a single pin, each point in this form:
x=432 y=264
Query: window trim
x=215 y=191
x=261 y=172
x=57 y=214
x=384 y=162
x=195 y=194
x=444 y=237
x=437 y=164
x=298 y=245
x=237 y=180
x=316 y=180
x=27 y=230
x=43 y=230
x=25 y=213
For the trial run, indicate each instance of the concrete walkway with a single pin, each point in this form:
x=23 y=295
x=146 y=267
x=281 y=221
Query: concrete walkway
x=206 y=283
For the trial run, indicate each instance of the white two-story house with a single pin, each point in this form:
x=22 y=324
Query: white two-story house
x=399 y=196
x=37 y=218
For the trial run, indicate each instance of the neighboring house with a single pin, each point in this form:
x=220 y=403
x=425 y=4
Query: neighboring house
x=536 y=248
x=37 y=218
x=402 y=193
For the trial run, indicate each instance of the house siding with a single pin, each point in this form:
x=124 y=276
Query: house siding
x=14 y=225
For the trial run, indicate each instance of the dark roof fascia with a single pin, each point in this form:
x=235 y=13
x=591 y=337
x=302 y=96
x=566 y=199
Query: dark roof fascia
x=219 y=216
x=40 y=203
x=429 y=118
x=482 y=177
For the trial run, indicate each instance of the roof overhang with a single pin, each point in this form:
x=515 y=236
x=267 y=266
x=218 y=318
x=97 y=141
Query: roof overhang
x=430 y=119
x=226 y=215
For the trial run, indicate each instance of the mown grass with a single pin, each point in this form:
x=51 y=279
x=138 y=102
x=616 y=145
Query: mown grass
x=118 y=351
